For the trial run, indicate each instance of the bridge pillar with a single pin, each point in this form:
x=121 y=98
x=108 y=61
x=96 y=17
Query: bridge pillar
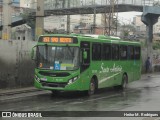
x=6 y=33
x=149 y=18
x=39 y=18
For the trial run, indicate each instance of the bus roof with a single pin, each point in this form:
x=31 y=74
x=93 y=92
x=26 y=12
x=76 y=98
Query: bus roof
x=112 y=39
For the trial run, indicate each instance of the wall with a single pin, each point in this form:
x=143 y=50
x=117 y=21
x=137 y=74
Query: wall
x=16 y=66
x=155 y=62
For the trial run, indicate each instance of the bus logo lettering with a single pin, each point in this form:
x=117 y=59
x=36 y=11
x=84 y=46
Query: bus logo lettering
x=113 y=69
x=116 y=68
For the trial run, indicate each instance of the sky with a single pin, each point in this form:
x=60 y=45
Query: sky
x=127 y=17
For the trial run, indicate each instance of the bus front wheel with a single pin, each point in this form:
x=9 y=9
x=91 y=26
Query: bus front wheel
x=92 y=87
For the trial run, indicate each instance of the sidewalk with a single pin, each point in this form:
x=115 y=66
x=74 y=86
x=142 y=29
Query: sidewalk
x=17 y=90
x=145 y=75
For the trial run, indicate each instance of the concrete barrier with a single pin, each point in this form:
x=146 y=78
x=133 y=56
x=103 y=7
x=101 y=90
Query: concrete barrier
x=16 y=66
x=155 y=62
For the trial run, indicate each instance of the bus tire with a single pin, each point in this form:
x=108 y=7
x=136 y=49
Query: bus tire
x=92 y=87
x=124 y=82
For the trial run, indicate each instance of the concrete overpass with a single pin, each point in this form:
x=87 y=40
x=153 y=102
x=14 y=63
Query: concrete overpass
x=90 y=9
x=61 y=7
x=82 y=7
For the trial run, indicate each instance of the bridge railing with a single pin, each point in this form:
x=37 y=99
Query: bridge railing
x=60 y=4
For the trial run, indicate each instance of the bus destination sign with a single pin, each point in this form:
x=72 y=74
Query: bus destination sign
x=65 y=40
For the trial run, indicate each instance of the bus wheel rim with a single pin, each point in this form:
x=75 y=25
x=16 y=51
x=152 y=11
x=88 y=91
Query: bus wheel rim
x=124 y=82
x=92 y=88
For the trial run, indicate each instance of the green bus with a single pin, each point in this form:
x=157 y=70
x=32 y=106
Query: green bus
x=78 y=62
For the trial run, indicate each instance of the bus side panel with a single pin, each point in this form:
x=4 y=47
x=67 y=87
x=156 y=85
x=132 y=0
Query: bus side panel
x=137 y=69
x=106 y=73
x=85 y=78
x=137 y=63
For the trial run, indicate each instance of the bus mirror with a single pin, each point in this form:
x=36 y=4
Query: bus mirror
x=84 y=55
x=33 y=53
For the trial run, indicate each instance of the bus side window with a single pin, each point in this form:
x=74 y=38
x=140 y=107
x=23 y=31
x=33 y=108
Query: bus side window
x=123 y=52
x=96 y=51
x=131 y=52
x=137 y=53
x=115 y=52
x=85 y=63
x=106 y=52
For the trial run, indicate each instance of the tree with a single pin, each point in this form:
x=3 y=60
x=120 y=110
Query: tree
x=127 y=28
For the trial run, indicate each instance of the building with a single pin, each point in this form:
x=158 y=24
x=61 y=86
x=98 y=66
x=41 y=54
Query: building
x=15 y=8
x=23 y=32
x=15 y=11
x=28 y=3
x=59 y=23
x=156 y=28
x=139 y=25
x=141 y=28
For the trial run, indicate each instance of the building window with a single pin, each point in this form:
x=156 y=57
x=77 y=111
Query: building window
x=62 y=25
x=23 y=37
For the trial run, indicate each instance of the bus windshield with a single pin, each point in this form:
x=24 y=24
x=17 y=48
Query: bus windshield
x=58 y=58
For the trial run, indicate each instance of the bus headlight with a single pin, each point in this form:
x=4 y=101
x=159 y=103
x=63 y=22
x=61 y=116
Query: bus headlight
x=37 y=78
x=72 y=80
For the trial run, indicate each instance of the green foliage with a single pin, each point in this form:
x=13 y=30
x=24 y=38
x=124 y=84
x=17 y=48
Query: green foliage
x=127 y=28
x=156 y=45
x=126 y=33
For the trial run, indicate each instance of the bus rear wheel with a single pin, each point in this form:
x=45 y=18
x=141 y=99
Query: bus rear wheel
x=92 y=87
x=124 y=82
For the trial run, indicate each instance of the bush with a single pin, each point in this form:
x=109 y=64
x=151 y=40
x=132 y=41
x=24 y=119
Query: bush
x=156 y=45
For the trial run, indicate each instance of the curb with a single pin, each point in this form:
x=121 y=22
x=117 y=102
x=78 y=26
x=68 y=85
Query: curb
x=18 y=91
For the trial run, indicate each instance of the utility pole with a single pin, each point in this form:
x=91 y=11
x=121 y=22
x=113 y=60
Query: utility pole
x=105 y=22
x=39 y=18
x=68 y=19
x=94 y=19
x=6 y=33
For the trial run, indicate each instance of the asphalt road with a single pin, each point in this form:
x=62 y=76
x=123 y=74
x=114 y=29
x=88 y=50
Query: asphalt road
x=141 y=95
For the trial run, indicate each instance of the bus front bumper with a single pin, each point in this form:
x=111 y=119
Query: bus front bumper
x=75 y=86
